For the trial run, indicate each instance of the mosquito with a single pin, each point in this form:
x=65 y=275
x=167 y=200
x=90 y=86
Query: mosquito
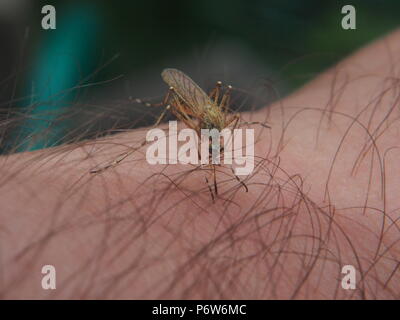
x=197 y=110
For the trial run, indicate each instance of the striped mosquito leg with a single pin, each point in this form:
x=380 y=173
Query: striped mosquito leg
x=148 y=104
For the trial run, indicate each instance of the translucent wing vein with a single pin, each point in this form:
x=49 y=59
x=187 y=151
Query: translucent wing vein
x=186 y=89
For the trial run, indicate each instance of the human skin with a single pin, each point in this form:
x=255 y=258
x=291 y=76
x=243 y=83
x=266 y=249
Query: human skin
x=325 y=196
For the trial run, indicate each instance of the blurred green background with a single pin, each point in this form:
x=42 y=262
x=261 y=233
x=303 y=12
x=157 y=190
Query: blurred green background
x=78 y=80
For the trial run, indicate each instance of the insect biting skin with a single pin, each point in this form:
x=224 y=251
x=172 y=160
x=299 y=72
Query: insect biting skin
x=197 y=110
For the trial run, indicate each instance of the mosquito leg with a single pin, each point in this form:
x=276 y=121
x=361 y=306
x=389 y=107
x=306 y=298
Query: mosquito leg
x=234 y=119
x=215 y=180
x=148 y=104
x=241 y=182
x=120 y=158
x=163 y=103
x=210 y=189
x=182 y=116
x=256 y=122
x=225 y=99
x=186 y=120
x=214 y=94
x=162 y=116
x=124 y=155
x=168 y=107
x=168 y=95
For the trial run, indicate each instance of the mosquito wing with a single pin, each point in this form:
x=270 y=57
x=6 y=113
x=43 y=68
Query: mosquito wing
x=186 y=89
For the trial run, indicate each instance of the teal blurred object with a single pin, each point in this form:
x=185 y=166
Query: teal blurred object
x=64 y=60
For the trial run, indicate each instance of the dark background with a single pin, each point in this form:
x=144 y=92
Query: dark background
x=78 y=81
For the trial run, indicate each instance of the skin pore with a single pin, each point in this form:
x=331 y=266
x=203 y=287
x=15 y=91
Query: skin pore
x=324 y=194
